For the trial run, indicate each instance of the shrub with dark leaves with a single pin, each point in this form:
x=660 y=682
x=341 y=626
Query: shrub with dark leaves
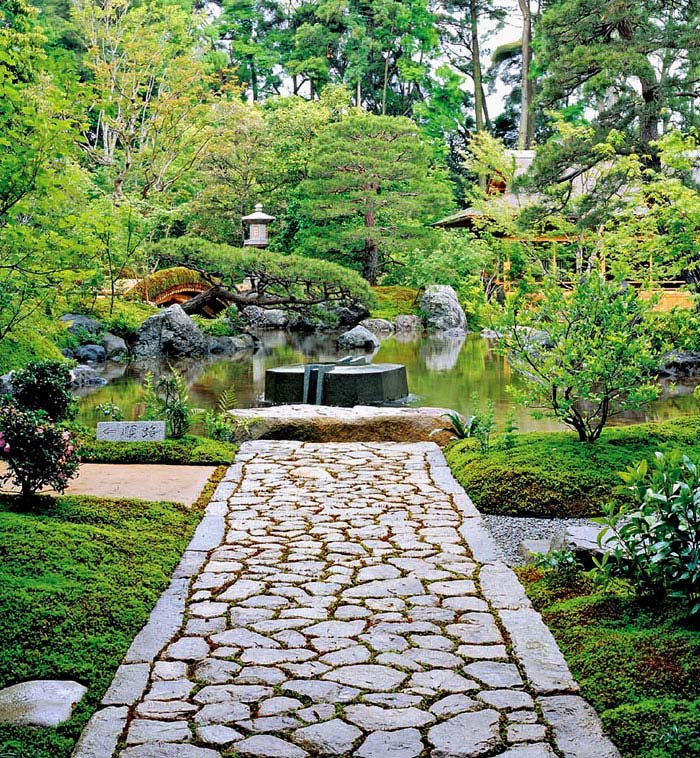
x=45 y=386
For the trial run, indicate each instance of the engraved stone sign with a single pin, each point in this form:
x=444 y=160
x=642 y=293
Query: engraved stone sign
x=131 y=431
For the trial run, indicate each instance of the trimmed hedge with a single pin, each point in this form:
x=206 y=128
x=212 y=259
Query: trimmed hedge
x=638 y=665
x=192 y=451
x=551 y=474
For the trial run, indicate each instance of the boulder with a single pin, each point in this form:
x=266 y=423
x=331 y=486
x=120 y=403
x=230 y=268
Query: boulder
x=115 y=347
x=490 y=334
x=231 y=345
x=681 y=363
x=85 y=376
x=79 y=324
x=378 y=325
x=68 y=353
x=262 y=318
x=441 y=309
x=582 y=541
x=171 y=333
x=91 y=353
x=6 y=384
x=408 y=323
x=43 y=702
x=361 y=423
x=348 y=315
x=358 y=338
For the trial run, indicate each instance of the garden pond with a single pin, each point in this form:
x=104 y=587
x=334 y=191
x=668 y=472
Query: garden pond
x=446 y=372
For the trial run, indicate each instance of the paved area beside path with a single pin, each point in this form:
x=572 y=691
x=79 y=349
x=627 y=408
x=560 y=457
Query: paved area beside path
x=343 y=600
x=144 y=481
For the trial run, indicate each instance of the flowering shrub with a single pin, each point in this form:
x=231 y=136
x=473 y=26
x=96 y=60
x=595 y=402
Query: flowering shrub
x=37 y=453
x=45 y=386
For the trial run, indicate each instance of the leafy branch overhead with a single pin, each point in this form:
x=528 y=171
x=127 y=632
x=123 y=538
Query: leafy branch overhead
x=254 y=277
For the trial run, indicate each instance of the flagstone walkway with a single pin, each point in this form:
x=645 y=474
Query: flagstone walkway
x=343 y=600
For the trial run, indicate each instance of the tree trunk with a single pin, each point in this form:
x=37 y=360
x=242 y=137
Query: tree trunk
x=527 y=121
x=649 y=117
x=370 y=267
x=476 y=66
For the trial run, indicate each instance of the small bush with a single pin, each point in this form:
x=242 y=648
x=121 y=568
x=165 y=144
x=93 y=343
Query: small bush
x=655 y=542
x=45 y=386
x=190 y=450
x=37 y=453
x=168 y=398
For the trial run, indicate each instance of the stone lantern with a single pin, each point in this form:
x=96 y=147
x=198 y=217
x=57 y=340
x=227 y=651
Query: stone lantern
x=258 y=222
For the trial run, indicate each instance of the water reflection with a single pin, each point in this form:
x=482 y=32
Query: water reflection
x=442 y=372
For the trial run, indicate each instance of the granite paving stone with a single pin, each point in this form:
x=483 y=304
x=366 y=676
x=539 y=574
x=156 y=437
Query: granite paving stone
x=342 y=600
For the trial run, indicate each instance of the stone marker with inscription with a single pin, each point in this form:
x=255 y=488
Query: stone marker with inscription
x=131 y=431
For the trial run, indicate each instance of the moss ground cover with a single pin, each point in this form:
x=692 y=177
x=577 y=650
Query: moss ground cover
x=190 y=450
x=394 y=301
x=638 y=665
x=78 y=578
x=551 y=474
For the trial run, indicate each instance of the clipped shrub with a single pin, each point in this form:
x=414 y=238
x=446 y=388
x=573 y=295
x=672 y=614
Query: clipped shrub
x=37 y=453
x=45 y=386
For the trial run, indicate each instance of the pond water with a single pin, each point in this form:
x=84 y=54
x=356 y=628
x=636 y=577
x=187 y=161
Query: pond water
x=443 y=372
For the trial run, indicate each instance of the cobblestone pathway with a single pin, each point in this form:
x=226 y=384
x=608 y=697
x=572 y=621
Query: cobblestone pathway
x=343 y=600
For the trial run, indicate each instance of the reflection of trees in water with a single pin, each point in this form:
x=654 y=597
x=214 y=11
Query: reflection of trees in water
x=441 y=372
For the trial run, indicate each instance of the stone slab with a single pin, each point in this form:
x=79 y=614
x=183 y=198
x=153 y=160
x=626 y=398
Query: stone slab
x=128 y=685
x=40 y=702
x=131 y=431
x=102 y=733
x=577 y=728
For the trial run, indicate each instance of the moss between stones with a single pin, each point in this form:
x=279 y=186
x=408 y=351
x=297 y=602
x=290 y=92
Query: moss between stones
x=639 y=666
x=551 y=474
x=78 y=579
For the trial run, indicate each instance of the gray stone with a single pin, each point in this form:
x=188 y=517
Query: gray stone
x=267 y=746
x=386 y=588
x=149 y=730
x=502 y=588
x=539 y=750
x=131 y=431
x=80 y=325
x=372 y=718
x=90 y=353
x=538 y=653
x=170 y=333
x=265 y=318
x=167 y=750
x=101 y=734
x=392 y=699
x=453 y=704
x=577 y=729
x=41 y=702
x=368 y=677
x=85 y=376
x=214 y=671
x=334 y=737
x=321 y=692
x=377 y=325
x=520 y=732
x=441 y=309
x=336 y=628
x=128 y=685
x=494 y=674
x=188 y=649
x=278 y=705
x=403 y=743
x=115 y=347
x=466 y=735
x=507 y=700
x=222 y=713
x=358 y=338
x=441 y=680
x=166 y=710
x=218 y=735
x=232 y=693
x=408 y=323
x=476 y=629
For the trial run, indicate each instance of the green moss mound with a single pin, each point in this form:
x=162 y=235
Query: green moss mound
x=30 y=343
x=192 y=451
x=551 y=474
x=395 y=301
x=78 y=579
x=637 y=664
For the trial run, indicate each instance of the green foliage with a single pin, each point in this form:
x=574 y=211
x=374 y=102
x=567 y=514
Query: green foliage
x=188 y=451
x=677 y=327
x=45 y=386
x=637 y=664
x=78 y=579
x=479 y=426
x=276 y=280
x=110 y=411
x=26 y=343
x=655 y=542
x=550 y=474
x=393 y=301
x=371 y=187
x=586 y=355
x=168 y=398
x=221 y=425
x=37 y=453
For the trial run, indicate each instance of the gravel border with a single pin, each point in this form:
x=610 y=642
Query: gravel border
x=510 y=531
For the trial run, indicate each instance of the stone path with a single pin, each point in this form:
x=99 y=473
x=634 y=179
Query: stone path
x=343 y=600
